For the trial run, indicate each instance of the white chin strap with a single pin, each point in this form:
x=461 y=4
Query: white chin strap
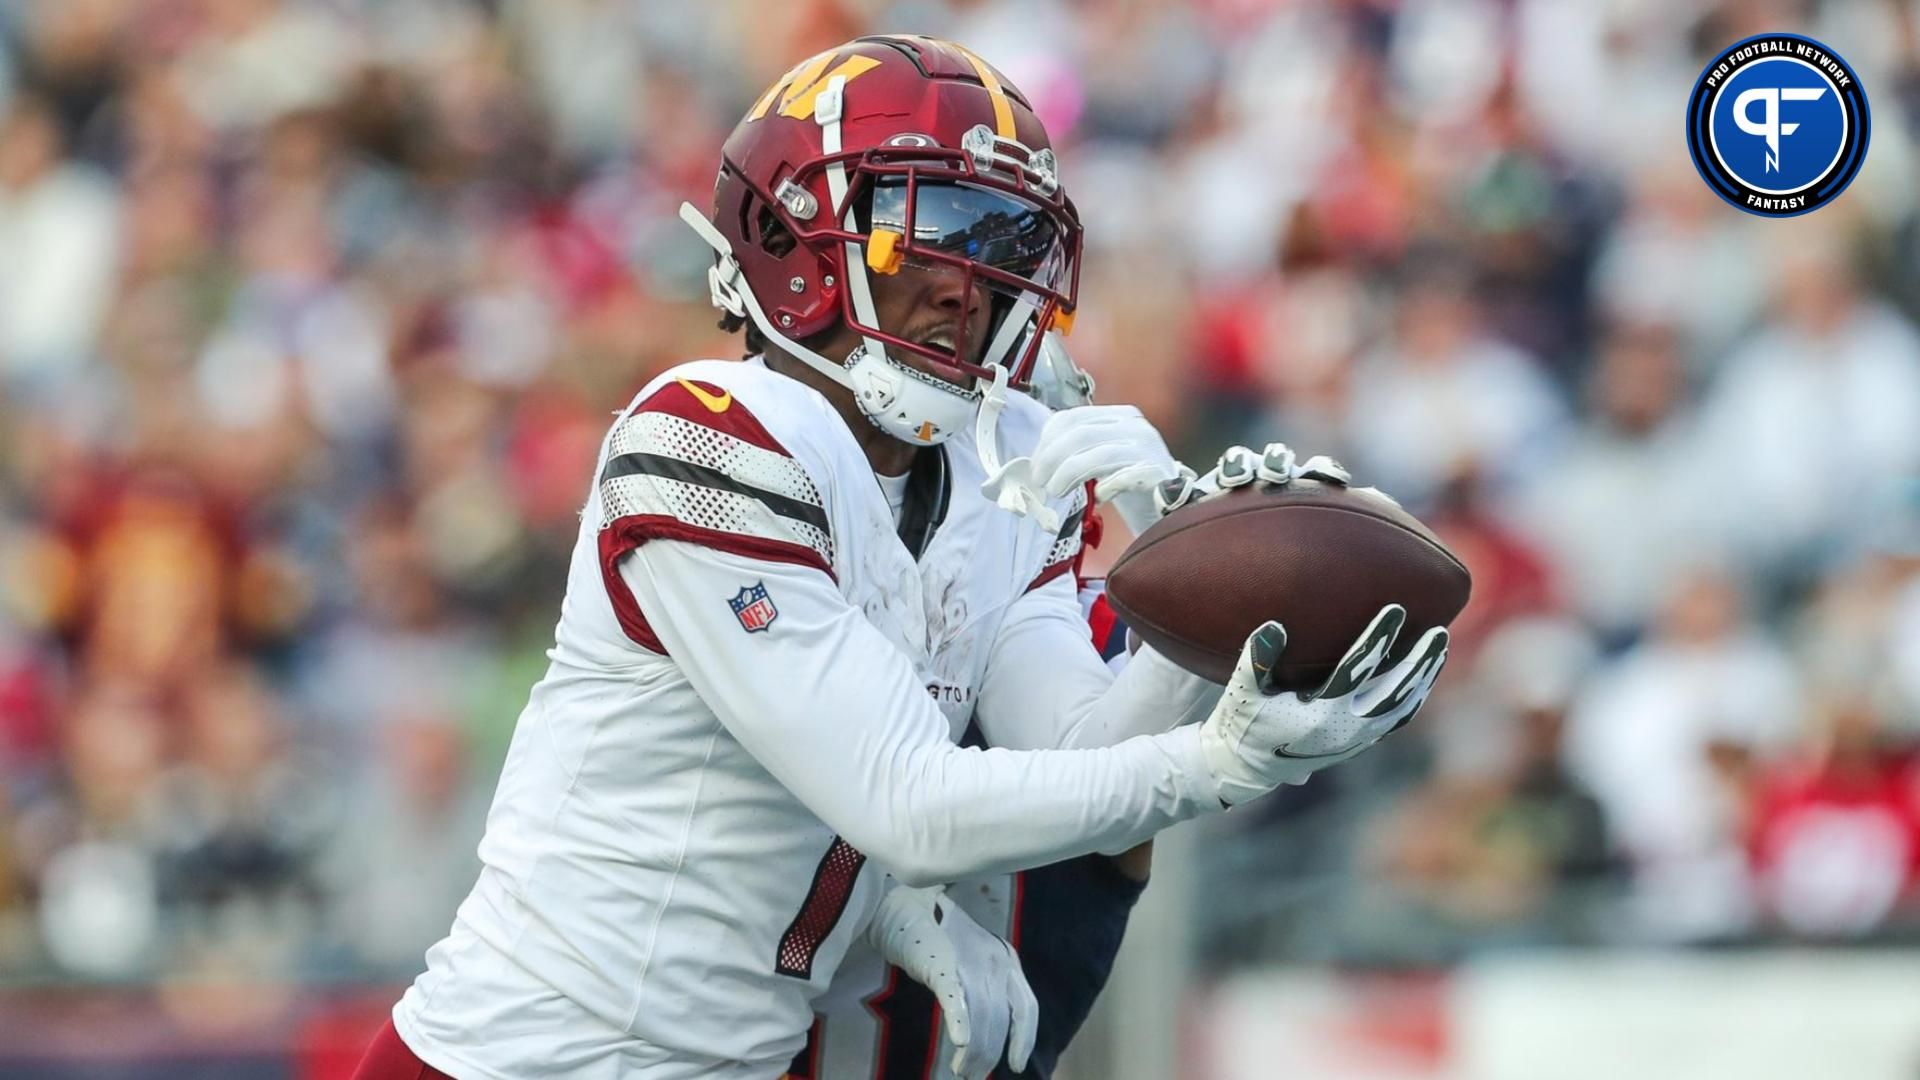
x=909 y=405
x=1012 y=486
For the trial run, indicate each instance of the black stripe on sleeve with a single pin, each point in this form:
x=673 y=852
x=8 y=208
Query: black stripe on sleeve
x=640 y=463
x=1071 y=526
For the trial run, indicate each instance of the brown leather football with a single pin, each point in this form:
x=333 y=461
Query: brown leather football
x=1321 y=559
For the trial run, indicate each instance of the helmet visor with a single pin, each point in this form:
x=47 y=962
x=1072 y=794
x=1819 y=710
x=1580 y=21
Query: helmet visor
x=989 y=228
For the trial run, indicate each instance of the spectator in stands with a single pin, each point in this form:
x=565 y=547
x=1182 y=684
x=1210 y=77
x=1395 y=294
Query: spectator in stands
x=1502 y=842
x=1835 y=836
x=1618 y=508
x=59 y=226
x=1812 y=414
x=1440 y=395
x=1668 y=736
x=16 y=924
x=88 y=844
x=404 y=853
x=238 y=820
x=1674 y=260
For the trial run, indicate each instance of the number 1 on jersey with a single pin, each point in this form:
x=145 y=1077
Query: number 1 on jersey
x=820 y=912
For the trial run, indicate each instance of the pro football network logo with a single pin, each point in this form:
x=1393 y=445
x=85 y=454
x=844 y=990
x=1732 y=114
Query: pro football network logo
x=1778 y=125
x=754 y=608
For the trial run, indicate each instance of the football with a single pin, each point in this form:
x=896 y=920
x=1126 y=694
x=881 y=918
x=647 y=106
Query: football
x=1319 y=558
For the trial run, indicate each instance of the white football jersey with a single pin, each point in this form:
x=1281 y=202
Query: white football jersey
x=753 y=682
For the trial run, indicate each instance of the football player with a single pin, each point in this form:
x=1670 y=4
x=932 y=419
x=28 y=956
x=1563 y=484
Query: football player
x=797 y=581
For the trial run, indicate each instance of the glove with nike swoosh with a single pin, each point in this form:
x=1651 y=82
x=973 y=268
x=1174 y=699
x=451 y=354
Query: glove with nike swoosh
x=1259 y=737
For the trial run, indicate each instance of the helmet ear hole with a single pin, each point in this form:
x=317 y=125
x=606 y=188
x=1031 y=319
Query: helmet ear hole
x=775 y=238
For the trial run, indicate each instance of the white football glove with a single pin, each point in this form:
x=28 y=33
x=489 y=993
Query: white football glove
x=983 y=994
x=1240 y=466
x=1113 y=445
x=1258 y=737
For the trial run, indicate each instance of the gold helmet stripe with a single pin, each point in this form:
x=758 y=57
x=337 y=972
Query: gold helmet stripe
x=1002 y=108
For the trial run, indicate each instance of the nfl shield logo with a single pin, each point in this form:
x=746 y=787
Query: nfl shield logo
x=754 y=607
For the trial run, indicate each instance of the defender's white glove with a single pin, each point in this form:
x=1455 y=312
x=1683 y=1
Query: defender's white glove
x=1111 y=444
x=983 y=994
x=1258 y=737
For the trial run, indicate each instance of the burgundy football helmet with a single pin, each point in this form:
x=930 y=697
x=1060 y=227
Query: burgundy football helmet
x=884 y=152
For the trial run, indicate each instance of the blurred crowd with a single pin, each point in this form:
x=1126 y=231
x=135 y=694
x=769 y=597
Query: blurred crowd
x=312 y=314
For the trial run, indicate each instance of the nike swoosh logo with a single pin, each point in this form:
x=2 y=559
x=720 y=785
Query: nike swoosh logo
x=1281 y=751
x=717 y=404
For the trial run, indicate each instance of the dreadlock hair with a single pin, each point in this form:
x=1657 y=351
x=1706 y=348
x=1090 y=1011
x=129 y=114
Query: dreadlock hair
x=756 y=341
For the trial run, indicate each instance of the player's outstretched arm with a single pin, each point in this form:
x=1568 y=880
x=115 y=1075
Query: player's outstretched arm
x=834 y=711
x=1045 y=687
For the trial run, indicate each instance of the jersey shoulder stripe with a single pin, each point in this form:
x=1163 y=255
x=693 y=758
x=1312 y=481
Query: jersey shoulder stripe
x=691 y=462
x=801 y=505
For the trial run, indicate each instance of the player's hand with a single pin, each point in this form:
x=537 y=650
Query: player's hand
x=1259 y=737
x=1240 y=466
x=984 y=997
x=1112 y=445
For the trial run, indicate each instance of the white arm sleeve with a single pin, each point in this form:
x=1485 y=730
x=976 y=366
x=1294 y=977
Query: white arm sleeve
x=1046 y=687
x=828 y=706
